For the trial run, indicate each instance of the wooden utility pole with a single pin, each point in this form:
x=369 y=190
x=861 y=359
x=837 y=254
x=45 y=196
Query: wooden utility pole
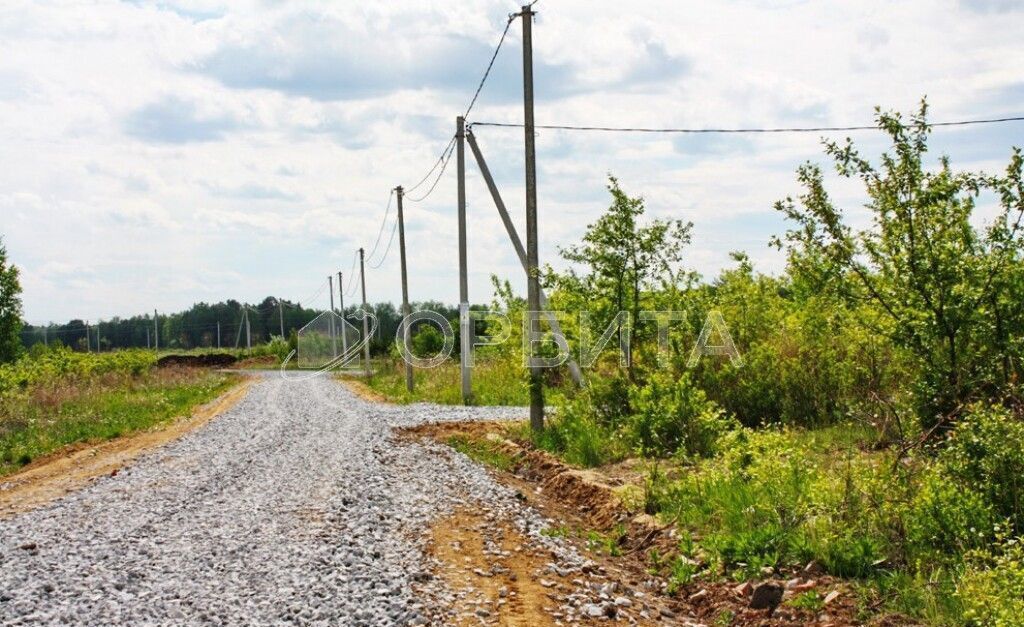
x=341 y=308
x=464 y=338
x=405 y=286
x=366 y=309
x=330 y=326
x=218 y=335
x=280 y=313
x=532 y=264
x=156 y=332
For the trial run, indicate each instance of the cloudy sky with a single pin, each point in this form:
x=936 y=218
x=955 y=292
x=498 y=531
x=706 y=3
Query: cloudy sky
x=155 y=154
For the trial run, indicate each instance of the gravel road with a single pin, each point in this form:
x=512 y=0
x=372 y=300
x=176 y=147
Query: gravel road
x=295 y=506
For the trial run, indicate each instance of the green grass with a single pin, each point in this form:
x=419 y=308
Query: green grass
x=483 y=451
x=70 y=410
x=781 y=498
x=810 y=600
x=495 y=382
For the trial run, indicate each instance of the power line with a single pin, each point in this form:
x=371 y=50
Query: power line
x=351 y=274
x=446 y=158
x=815 y=129
x=317 y=293
x=490 y=65
x=383 y=222
x=440 y=160
x=394 y=228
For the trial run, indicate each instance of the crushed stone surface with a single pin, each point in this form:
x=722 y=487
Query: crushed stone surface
x=296 y=506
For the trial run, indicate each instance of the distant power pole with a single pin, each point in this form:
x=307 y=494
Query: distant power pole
x=88 y=340
x=330 y=319
x=405 y=286
x=465 y=340
x=280 y=312
x=341 y=307
x=248 y=331
x=218 y=334
x=532 y=272
x=366 y=309
x=156 y=333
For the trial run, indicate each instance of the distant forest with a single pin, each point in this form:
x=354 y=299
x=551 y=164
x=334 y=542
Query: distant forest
x=197 y=326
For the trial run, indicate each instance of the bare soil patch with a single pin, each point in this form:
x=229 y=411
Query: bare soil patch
x=507 y=595
x=53 y=476
x=592 y=500
x=212 y=360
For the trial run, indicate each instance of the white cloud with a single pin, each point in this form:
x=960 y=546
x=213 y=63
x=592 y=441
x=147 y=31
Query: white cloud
x=159 y=153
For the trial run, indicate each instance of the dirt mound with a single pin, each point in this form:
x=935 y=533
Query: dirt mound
x=211 y=360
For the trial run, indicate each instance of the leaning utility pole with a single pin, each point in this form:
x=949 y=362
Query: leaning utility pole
x=465 y=340
x=330 y=325
x=366 y=309
x=341 y=307
x=532 y=271
x=156 y=333
x=405 y=287
x=556 y=328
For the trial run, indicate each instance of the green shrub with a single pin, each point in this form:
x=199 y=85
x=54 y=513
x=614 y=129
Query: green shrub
x=992 y=587
x=610 y=400
x=985 y=453
x=947 y=517
x=672 y=414
x=578 y=437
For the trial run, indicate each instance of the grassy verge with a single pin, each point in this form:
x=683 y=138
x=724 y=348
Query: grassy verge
x=482 y=451
x=495 y=382
x=109 y=397
x=925 y=534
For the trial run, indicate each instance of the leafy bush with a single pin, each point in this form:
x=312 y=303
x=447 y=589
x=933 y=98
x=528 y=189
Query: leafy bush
x=931 y=281
x=672 y=414
x=992 y=588
x=985 y=453
x=947 y=517
x=578 y=437
x=609 y=399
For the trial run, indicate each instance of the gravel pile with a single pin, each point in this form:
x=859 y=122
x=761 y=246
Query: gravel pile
x=296 y=506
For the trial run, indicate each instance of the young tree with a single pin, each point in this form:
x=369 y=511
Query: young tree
x=10 y=309
x=938 y=287
x=624 y=259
